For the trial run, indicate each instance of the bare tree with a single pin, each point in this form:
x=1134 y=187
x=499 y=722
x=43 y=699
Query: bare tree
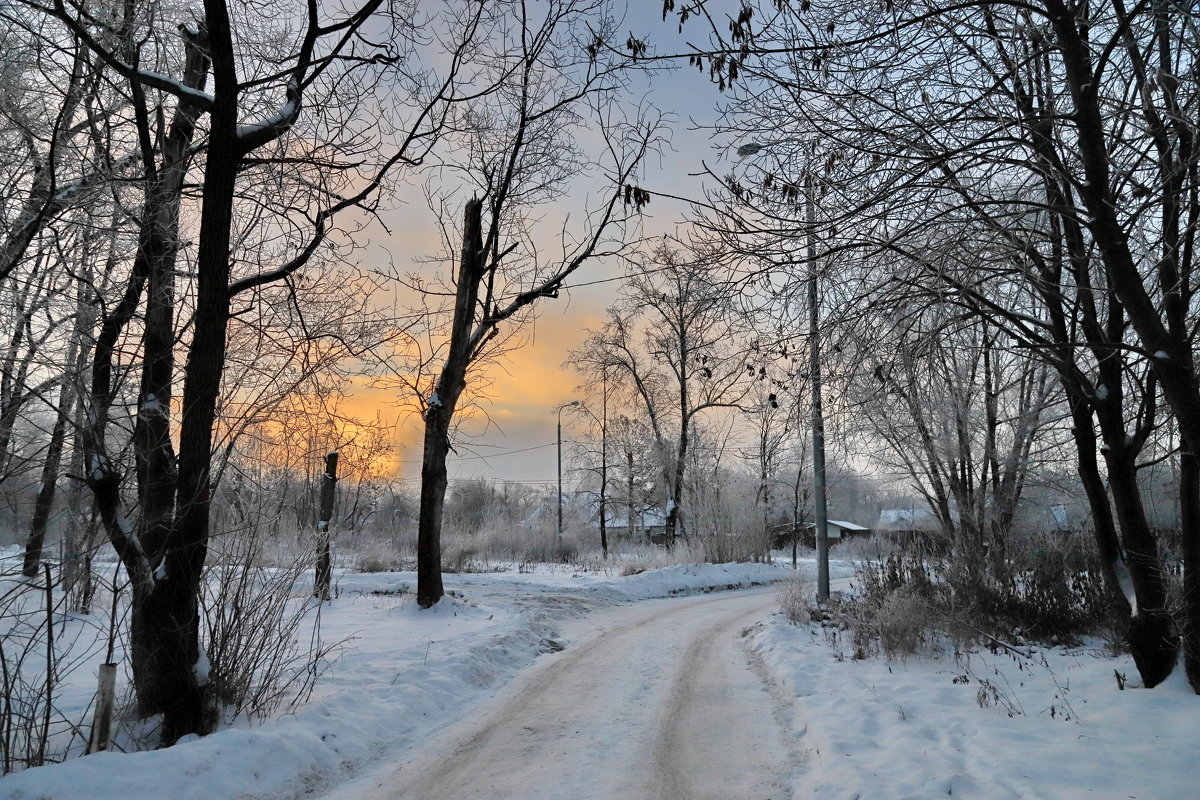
x=922 y=113
x=673 y=341
x=281 y=142
x=960 y=413
x=548 y=79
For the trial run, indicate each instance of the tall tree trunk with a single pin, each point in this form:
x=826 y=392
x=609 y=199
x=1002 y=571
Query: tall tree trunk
x=172 y=609
x=150 y=552
x=1189 y=517
x=439 y=410
x=1150 y=632
x=634 y=528
x=1153 y=640
x=54 y=451
x=76 y=567
x=604 y=465
x=1164 y=332
x=324 y=572
x=1108 y=545
x=676 y=485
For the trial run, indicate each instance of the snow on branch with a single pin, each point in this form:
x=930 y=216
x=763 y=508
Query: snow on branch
x=256 y=134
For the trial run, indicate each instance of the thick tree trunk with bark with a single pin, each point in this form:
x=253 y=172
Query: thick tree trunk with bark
x=163 y=620
x=323 y=578
x=439 y=410
x=174 y=606
x=1189 y=502
x=435 y=448
x=1161 y=326
x=677 y=475
x=1153 y=640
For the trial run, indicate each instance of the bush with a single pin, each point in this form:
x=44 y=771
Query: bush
x=1046 y=601
x=261 y=629
x=905 y=622
x=796 y=599
x=41 y=644
x=1052 y=592
x=380 y=552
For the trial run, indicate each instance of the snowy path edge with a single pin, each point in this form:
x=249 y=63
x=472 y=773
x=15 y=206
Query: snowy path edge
x=367 y=716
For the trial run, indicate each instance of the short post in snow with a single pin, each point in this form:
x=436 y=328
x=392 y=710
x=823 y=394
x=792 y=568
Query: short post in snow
x=102 y=720
x=324 y=574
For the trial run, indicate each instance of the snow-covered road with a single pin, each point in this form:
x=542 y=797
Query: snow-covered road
x=655 y=700
x=655 y=696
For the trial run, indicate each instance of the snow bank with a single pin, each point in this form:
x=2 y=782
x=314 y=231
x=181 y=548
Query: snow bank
x=403 y=674
x=1054 y=726
x=681 y=579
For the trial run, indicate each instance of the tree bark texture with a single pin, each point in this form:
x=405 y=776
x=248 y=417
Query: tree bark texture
x=1153 y=640
x=323 y=578
x=147 y=550
x=175 y=614
x=1161 y=326
x=439 y=411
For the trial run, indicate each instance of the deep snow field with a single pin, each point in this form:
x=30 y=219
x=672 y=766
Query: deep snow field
x=1048 y=723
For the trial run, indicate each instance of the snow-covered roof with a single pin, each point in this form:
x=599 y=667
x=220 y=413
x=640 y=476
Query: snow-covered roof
x=841 y=524
x=835 y=527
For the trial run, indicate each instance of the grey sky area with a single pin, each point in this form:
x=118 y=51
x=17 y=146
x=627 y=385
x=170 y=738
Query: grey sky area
x=515 y=440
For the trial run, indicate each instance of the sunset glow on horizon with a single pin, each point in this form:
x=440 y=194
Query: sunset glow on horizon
x=524 y=387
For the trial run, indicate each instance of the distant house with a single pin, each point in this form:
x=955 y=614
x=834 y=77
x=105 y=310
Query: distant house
x=836 y=529
x=911 y=527
x=649 y=523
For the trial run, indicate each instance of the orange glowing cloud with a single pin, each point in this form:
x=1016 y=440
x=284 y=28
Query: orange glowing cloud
x=522 y=390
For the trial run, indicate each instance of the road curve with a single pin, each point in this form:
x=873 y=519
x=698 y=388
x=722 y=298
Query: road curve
x=661 y=703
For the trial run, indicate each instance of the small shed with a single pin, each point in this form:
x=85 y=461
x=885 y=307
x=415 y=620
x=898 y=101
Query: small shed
x=836 y=529
x=649 y=523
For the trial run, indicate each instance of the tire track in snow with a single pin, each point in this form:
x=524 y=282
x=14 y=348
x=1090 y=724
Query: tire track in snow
x=663 y=703
x=722 y=688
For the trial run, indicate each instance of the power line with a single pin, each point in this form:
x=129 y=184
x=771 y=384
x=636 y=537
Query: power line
x=487 y=456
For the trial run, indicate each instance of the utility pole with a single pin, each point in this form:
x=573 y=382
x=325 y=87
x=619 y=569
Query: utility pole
x=814 y=368
x=818 y=414
x=558 y=533
x=604 y=461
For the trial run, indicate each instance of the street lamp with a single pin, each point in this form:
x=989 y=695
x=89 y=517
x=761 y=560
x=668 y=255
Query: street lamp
x=558 y=536
x=820 y=512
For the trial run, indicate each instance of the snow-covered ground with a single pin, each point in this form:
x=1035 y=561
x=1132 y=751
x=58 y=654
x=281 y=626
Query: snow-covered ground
x=402 y=675
x=1047 y=723
x=870 y=730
